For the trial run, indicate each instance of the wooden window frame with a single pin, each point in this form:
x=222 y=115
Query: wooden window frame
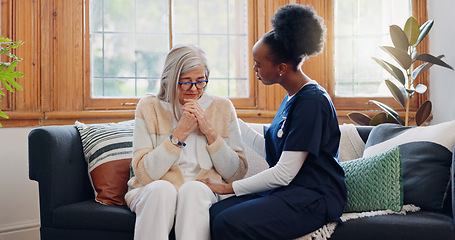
x=108 y=103
x=56 y=65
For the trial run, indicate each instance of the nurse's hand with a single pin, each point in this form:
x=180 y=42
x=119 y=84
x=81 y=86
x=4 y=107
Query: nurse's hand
x=218 y=187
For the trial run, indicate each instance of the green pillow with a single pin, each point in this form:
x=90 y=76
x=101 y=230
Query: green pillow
x=374 y=183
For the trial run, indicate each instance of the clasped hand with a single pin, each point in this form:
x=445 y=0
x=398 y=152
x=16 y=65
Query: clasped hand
x=194 y=116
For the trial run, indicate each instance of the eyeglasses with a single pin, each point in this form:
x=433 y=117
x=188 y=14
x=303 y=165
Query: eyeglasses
x=188 y=85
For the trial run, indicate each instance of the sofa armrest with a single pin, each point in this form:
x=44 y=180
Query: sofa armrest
x=56 y=162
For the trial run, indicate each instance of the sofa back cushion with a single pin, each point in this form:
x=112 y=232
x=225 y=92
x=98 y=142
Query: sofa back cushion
x=108 y=152
x=427 y=157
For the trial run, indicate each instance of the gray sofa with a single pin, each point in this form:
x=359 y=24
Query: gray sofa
x=68 y=209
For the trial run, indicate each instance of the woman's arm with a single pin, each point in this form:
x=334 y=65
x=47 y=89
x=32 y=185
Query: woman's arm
x=153 y=153
x=277 y=176
x=227 y=154
x=151 y=161
x=252 y=138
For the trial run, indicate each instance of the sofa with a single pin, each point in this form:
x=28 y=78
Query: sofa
x=68 y=209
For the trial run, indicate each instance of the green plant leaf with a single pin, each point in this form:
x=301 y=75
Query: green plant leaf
x=423 y=112
x=394 y=71
x=399 y=55
x=382 y=117
x=397 y=92
x=420 y=88
x=422 y=68
x=399 y=38
x=4 y=39
x=389 y=111
x=8 y=87
x=424 y=29
x=412 y=31
x=3 y=115
x=359 y=118
x=7 y=77
x=432 y=59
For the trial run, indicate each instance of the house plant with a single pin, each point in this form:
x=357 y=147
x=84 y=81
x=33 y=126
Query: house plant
x=7 y=73
x=403 y=87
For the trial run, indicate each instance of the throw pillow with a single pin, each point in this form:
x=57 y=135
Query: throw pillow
x=108 y=152
x=426 y=153
x=374 y=183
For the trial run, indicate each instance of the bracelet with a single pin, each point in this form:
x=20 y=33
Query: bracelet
x=176 y=141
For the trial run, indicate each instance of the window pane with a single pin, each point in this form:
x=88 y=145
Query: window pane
x=185 y=17
x=220 y=28
x=147 y=86
x=130 y=39
x=361 y=26
x=117 y=15
x=114 y=87
x=213 y=16
x=150 y=54
x=216 y=48
x=128 y=44
x=218 y=86
x=152 y=17
x=119 y=55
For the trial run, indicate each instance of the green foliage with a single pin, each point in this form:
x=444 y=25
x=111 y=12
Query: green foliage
x=402 y=87
x=7 y=73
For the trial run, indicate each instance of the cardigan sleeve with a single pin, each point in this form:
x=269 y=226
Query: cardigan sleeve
x=227 y=153
x=152 y=157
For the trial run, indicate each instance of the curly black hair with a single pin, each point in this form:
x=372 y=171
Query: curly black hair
x=298 y=32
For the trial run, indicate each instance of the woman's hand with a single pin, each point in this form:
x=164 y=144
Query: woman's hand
x=193 y=107
x=218 y=187
x=186 y=125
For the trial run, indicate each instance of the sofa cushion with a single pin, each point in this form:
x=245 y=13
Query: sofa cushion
x=92 y=215
x=420 y=225
x=374 y=183
x=426 y=153
x=108 y=152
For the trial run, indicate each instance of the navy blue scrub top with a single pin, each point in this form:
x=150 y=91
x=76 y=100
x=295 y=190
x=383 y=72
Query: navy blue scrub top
x=308 y=122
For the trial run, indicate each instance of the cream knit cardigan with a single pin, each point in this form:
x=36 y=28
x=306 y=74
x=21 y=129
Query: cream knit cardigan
x=155 y=157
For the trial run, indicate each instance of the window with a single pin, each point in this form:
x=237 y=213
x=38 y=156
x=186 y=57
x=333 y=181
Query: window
x=58 y=64
x=129 y=40
x=360 y=28
x=356 y=78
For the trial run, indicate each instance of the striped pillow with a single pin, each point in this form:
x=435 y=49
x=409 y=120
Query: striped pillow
x=108 y=152
x=426 y=153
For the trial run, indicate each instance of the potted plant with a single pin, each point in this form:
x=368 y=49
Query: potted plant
x=405 y=53
x=7 y=73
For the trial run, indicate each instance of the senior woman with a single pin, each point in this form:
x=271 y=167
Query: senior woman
x=181 y=136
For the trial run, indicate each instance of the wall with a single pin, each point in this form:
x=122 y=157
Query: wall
x=442 y=84
x=19 y=218
x=19 y=209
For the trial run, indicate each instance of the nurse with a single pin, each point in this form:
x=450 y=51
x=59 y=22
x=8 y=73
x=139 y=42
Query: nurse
x=304 y=187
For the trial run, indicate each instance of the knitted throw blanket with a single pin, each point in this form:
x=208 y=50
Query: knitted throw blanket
x=326 y=231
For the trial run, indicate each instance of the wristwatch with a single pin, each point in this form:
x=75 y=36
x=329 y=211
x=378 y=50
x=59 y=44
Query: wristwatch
x=176 y=141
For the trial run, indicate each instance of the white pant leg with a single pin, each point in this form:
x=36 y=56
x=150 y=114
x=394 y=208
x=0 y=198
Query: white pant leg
x=155 y=210
x=192 y=220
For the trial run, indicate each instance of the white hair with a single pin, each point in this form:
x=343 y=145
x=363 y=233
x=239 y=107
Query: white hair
x=181 y=59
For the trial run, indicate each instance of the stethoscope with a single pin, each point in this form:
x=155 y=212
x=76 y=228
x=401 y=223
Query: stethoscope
x=279 y=134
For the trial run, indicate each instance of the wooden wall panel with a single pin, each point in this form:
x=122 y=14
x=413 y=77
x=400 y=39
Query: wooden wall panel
x=6 y=31
x=27 y=100
x=47 y=54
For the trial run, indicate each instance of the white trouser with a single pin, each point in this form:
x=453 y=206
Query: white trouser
x=159 y=202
